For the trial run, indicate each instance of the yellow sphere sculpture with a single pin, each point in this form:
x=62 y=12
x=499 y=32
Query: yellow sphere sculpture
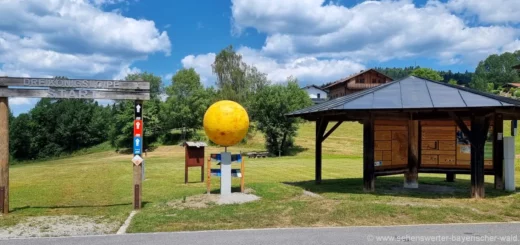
x=226 y=123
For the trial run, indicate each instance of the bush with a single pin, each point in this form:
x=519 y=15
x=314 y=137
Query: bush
x=517 y=93
x=495 y=91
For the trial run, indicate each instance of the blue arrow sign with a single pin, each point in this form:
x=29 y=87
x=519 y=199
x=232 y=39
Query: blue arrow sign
x=138 y=145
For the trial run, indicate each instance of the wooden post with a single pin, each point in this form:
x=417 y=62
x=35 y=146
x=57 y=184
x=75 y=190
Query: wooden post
x=368 y=155
x=208 y=180
x=478 y=131
x=321 y=125
x=138 y=169
x=450 y=177
x=4 y=155
x=202 y=174
x=411 y=176
x=513 y=127
x=186 y=157
x=243 y=172
x=498 y=151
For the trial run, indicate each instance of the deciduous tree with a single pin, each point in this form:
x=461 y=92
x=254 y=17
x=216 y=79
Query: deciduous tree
x=427 y=73
x=270 y=106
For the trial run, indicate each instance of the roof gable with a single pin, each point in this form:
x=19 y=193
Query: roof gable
x=314 y=86
x=346 y=79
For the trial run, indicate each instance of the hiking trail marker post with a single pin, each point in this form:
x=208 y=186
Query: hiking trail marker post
x=138 y=152
x=71 y=89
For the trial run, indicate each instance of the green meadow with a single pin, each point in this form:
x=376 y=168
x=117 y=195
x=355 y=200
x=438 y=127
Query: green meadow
x=98 y=184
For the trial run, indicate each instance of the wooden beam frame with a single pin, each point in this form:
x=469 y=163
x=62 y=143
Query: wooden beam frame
x=321 y=126
x=331 y=130
x=368 y=155
x=460 y=123
x=477 y=140
x=477 y=137
x=4 y=155
x=498 y=150
x=411 y=175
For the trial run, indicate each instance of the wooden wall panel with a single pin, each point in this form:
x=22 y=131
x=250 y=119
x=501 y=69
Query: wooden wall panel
x=447 y=145
x=436 y=136
x=447 y=159
x=443 y=146
x=399 y=147
x=391 y=143
x=392 y=128
x=382 y=145
x=430 y=159
x=429 y=145
x=378 y=155
x=438 y=143
x=438 y=152
x=383 y=135
x=387 y=155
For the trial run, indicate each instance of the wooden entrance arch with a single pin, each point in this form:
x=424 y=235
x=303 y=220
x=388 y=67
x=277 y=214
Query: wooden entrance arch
x=70 y=89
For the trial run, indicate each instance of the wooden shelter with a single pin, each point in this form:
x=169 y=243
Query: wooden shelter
x=415 y=125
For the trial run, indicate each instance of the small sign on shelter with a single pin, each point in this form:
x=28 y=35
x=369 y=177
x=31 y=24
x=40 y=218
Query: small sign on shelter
x=194 y=158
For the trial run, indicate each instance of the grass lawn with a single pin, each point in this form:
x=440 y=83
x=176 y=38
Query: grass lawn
x=100 y=185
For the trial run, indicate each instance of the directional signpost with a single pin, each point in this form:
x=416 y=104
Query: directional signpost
x=73 y=89
x=138 y=151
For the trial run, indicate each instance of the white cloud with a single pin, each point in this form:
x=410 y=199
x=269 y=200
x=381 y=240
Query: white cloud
x=167 y=78
x=106 y=2
x=369 y=31
x=488 y=11
x=307 y=69
x=201 y=64
x=124 y=71
x=21 y=101
x=73 y=38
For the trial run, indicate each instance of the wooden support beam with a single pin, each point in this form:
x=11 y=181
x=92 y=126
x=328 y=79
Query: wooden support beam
x=460 y=123
x=513 y=127
x=4 y=155
x=331 y=130
x=498 y=151
x=477 y=140
x=368 y=155
x=450 y=177
x=411 y=176
x=321 y=126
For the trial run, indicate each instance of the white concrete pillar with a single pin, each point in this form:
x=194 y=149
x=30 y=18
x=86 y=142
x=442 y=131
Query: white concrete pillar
x=225 y=173
x=509 y=163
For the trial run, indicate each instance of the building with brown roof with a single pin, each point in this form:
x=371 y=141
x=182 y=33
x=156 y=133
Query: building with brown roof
x=357 y=82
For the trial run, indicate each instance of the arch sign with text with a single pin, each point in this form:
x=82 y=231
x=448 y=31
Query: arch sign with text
x=60 y=88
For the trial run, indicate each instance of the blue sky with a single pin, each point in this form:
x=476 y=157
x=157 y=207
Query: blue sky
x=316 y=41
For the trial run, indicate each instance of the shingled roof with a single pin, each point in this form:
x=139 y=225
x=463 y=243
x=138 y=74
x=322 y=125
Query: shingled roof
x=411 y=93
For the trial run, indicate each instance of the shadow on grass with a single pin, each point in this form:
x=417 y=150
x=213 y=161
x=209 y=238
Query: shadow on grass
x=75 y=206
x=295 y=150
x=234 y=189
x=429 y=187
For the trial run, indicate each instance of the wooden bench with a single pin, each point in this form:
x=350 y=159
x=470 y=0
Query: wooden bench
x=262 y=154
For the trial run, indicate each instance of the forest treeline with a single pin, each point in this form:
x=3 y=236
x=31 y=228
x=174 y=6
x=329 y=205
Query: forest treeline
x=56 y=127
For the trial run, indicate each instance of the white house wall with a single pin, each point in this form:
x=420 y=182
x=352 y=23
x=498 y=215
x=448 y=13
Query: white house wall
x=313 y=93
